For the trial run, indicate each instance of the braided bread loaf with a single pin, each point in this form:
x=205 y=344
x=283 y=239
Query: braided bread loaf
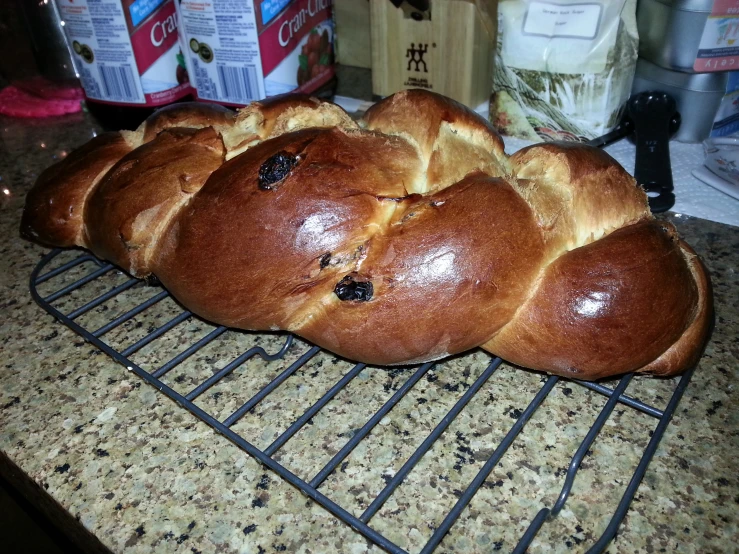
x=403 y=238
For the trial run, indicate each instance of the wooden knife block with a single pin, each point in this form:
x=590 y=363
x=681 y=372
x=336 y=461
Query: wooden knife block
x=449 y=49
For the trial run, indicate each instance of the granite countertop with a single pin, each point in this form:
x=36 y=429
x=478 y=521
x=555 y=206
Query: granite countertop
x=121 y=467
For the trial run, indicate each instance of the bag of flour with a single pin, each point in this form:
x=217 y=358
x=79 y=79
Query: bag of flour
x=564 y=68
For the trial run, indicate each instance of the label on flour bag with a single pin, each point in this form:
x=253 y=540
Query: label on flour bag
x=562 y=20
x=559 y=36
x=239 y=51
x=126 y=51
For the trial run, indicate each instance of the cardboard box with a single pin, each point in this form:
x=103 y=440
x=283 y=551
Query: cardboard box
x=240 y=51
x=446 y=46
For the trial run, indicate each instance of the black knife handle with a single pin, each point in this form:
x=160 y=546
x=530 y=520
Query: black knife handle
x=653 y=115
x=622 y=130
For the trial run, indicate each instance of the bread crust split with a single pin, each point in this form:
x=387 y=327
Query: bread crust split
x=402 y=238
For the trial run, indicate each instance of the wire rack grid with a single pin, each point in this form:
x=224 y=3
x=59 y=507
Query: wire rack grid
x=57 y=283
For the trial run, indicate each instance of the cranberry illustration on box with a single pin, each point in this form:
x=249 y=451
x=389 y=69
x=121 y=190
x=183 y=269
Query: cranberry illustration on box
x=316 y=57
x=238 y=52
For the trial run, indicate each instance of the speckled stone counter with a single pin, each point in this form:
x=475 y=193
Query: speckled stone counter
x=122 y=468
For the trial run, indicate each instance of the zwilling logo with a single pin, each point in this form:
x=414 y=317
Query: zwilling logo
x=416 y=56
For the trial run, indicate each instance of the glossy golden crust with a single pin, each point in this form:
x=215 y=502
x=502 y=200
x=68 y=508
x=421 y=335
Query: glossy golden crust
x=688 y=348
x=193 y=115
x=406 y=238
x=451 y=139
x=609 y=307
x=579 y=194
x=445 y=285
x=282 y=232
x=54 y=209
x=133 y=204
x=282 y=114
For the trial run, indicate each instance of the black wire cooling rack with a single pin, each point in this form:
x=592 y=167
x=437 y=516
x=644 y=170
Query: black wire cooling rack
x=85 y=272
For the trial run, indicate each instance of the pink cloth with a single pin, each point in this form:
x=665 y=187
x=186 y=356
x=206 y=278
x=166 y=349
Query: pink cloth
x=39 y=98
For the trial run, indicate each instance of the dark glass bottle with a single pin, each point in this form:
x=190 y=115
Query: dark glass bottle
x=116 y=117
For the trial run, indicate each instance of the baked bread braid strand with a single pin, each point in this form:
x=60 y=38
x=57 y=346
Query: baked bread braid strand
x=405 y=237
